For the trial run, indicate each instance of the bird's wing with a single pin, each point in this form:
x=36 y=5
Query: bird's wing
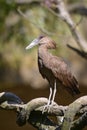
x=62 y=72
x=59 y=69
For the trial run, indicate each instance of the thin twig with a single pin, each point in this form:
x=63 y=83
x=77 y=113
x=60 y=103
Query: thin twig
x=35 y=24
x=81 y=53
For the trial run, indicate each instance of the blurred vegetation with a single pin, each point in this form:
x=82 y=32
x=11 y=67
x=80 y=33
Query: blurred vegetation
x=16 y=32
x=18 y=67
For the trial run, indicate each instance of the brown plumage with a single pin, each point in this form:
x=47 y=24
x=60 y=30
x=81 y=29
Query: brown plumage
x=53 y=68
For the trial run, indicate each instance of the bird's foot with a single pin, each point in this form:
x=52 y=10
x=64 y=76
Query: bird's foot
x=47 y=108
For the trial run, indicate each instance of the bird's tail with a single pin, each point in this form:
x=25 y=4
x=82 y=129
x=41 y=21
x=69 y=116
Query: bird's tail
x=73 y=87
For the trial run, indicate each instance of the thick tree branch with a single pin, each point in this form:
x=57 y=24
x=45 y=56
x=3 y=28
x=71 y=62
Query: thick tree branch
x=41 y=121
x=35 y=107
x=32 y=113
x=71 y=112
x=80 y=123
x=38 y=105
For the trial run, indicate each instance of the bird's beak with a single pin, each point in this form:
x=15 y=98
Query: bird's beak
x=33 y=43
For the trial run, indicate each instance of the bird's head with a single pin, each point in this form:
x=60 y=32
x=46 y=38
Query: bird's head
x=42 y=41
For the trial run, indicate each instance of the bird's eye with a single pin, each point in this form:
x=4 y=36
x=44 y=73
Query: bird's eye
x=40 y=37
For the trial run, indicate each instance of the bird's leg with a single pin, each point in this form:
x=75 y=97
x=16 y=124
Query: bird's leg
x=50 y=95
x=54 y=92
x=46 y=107
x=50 y=102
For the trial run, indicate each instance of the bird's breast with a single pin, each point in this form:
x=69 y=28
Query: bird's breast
x=46 y=72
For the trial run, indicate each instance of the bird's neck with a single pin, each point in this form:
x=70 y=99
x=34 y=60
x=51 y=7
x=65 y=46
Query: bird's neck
x=43 y=52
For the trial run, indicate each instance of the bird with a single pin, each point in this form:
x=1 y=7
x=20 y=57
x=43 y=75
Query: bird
x=53 y=68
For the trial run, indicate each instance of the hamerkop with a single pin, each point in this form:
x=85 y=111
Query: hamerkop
x=54 y=68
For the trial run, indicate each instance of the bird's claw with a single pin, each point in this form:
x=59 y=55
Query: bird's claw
x=47 y=108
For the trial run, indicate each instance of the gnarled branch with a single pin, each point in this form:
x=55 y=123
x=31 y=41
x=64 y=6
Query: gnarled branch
x=72 y=116
x=33 y=111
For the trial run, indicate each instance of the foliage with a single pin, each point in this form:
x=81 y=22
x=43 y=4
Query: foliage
x=16 y=31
